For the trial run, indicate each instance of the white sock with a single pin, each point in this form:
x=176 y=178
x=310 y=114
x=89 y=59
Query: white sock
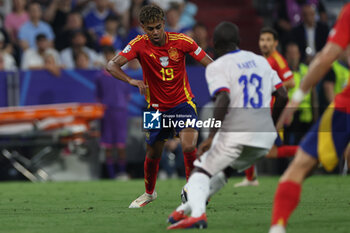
x=184 y=207
x=216 y=183
x=198 y=191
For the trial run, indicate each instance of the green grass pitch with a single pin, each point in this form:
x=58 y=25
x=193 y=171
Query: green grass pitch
x=102 y=206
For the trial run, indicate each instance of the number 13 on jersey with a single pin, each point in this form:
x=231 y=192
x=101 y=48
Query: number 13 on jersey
x=253 y=80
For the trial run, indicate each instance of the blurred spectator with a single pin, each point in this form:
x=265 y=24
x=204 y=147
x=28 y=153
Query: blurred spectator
x=289 y=15
x=42 y=57
x=135 y=7
x=303 y=117
x=7 y=62
x=133 y=32
x=43 y=3
x=15 y=19
x=5 y=7
x=79 y=5
x=122 y=9
x=2 y=63
x=56 y=14
x=166 y=4
x=81 y=60
x=310 y=35
x=200 y=35
x=5 y=41
x=29 y=30
x=74 y=23
x=7 y=49
x=173 y=18
x=78 y=43
x=51 y=65
x=135 y=28
x=189 y=11
x=94 y=19
x=111 y=37
x=114 y=94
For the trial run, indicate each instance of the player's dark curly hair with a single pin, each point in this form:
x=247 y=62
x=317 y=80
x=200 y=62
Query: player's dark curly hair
x=151 y=14
x=271 y=31
x=226 y=38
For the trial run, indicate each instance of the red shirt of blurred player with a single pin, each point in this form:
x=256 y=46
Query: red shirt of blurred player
x=340 y=35
x=164 y=68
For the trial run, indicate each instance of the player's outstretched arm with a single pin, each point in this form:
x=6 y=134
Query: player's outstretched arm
x=280 y=102
x=114 y=68
x=222 y=101
x=206 y=60
x=289 y=83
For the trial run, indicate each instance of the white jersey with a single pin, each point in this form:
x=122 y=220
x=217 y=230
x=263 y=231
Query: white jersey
x=250 y=81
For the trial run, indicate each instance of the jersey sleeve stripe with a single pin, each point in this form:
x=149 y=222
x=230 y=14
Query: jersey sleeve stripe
x=133 y=40
x=179 y=37
x=188 y=96
x=185 y=36
x=191 y=42
x=220 y=89
x=148 y=96
x=136 y=40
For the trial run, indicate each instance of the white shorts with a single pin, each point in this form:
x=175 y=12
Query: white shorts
x=220 y=156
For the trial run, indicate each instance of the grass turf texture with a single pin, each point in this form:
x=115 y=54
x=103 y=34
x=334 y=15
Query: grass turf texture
x=102 y=206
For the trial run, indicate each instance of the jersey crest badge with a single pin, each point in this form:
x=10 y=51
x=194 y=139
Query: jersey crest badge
x=173 y=54
x=164 y=61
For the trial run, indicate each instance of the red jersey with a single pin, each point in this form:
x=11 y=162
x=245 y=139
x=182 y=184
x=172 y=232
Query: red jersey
x=164 y=68
x=279 y=64
x=340 y=35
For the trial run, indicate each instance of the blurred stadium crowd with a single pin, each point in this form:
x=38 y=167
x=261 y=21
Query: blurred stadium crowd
x=51 y=34
x=78 y=34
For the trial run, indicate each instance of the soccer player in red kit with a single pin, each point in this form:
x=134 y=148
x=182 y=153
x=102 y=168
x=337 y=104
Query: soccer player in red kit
x=268 y=42
x=165 y=86
x=327 y=139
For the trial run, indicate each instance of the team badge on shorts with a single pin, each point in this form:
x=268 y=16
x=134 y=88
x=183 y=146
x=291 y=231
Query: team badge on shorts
x=164 y=61
x=151 y=120
x=173 y=54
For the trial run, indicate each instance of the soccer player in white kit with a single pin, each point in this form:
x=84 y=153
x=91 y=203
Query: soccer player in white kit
x=242 y=84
